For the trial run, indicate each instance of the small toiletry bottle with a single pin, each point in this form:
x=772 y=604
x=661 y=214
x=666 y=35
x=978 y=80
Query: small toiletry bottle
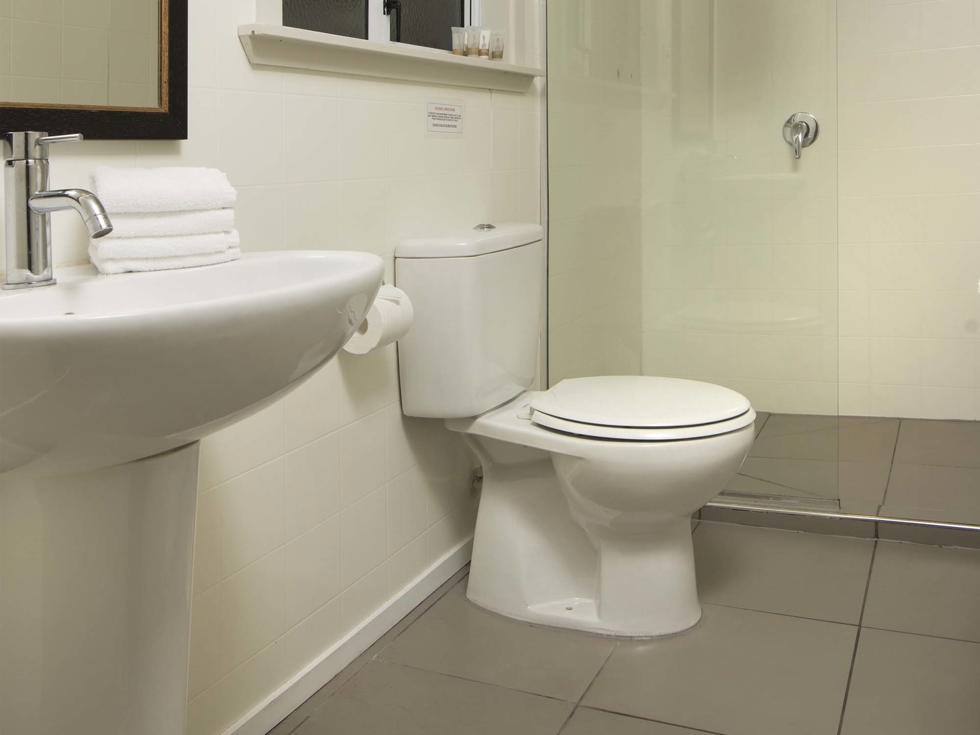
x=472 y=41
x=497 y=39
x=459 y=41
x=485 y=34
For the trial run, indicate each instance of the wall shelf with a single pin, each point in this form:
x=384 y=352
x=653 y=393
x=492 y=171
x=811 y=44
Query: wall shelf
x=296 y=48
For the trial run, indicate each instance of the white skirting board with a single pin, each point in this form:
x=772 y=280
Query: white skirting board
x=267 y=714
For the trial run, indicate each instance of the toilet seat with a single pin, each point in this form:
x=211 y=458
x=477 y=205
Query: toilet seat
x=640 y=408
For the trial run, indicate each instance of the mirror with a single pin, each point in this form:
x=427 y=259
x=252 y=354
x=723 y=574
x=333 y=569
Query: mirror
x=109 y=69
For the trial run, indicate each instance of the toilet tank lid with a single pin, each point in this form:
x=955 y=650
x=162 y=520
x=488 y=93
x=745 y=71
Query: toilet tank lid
x=468 y=243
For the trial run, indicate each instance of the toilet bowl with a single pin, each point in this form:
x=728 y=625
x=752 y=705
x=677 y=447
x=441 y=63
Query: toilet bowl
x=588 y=488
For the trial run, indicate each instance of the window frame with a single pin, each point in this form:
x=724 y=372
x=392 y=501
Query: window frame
x=379 y=28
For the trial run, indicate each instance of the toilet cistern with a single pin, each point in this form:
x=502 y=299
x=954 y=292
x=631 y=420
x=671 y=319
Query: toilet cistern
x=28 y=205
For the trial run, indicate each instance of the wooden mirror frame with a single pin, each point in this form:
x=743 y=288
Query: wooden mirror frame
x=168 y=122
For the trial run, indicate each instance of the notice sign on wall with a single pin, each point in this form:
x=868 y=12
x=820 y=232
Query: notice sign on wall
x=443 y=117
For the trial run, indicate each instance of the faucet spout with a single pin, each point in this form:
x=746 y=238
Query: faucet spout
x=84 y=202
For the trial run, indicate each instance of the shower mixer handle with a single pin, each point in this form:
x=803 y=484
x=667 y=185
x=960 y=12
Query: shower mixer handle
x=800 y=131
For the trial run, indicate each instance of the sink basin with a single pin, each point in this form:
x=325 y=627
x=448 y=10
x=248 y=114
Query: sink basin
x=101 y=370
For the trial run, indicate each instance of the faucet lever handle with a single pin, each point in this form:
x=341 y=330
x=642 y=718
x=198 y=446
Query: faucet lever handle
x=69 y=138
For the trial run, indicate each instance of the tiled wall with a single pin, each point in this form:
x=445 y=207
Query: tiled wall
x=910 y=208
x=93 y=52
x=319 y=508
x=594 y=188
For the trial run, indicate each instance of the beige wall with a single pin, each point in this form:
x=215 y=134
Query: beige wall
x=910 y=208
x=594 y=188
x=314 y=512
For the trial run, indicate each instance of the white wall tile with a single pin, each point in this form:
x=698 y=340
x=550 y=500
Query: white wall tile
x=253 y=608
x=311 y=564
x=252 y=122
x=252 y=521
x=242 y=446
x=363 y=538
x=312 y=139
x=363 y=597
x=407 y=508
x=312 y=484
x=362 y=457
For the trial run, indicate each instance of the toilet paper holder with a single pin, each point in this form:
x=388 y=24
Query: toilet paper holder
x=388 y=319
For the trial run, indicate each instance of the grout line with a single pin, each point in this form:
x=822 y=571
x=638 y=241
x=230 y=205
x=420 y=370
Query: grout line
x=922 y=635
x=891 y=467
x=857 y=641
x=659 y=722
x=598 y=672
x=478 y=682
x=568 y=719
x=782 y=614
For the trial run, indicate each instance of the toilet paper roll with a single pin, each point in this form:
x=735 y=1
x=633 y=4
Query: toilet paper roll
x=388 y=319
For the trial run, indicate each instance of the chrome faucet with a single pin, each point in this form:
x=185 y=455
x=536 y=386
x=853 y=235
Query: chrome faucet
x=28 y=204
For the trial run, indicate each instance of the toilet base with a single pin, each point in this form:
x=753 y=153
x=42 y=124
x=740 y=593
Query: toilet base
x=532 y=562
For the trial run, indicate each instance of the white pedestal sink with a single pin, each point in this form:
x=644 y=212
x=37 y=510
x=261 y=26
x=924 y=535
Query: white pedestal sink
x=106 y=385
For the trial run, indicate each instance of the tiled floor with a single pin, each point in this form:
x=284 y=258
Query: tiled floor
x=802 y=634
x=900 y=468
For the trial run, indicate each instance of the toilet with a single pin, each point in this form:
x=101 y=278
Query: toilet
x=584 y=519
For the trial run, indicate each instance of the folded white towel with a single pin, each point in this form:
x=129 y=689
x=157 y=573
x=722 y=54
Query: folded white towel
x=128 y=265
x=159 y=224
x=177 y=246
x=167 y=189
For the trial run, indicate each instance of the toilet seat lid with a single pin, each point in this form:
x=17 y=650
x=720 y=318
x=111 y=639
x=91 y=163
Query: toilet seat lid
x=638 y=402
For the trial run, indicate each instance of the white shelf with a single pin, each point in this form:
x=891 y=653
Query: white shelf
x=297 y=48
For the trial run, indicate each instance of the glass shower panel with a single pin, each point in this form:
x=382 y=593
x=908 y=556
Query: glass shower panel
x=594 y=144
x=739 y=235
x=666 y=126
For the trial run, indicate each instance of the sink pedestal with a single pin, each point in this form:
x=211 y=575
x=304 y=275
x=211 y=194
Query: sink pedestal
x=95 y=598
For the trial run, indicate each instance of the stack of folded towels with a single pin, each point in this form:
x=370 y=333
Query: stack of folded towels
x=165 y=218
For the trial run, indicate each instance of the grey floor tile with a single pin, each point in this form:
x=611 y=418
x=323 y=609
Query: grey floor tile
x=739 y=672
x=456 y=637
x=806 y=477
x=913 y=685
x=950 y=443
x=934 y=492
x=388 y=699
x=850 y=438
x=924 y=589
x=587 y=721
x=862 y=485
x=797 y=436
x=807 y=575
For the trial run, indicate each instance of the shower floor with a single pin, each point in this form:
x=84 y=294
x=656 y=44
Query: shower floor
x=898 y=468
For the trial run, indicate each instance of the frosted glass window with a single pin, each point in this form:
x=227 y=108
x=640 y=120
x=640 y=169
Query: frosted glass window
x=427 y=22
x=342 y=17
